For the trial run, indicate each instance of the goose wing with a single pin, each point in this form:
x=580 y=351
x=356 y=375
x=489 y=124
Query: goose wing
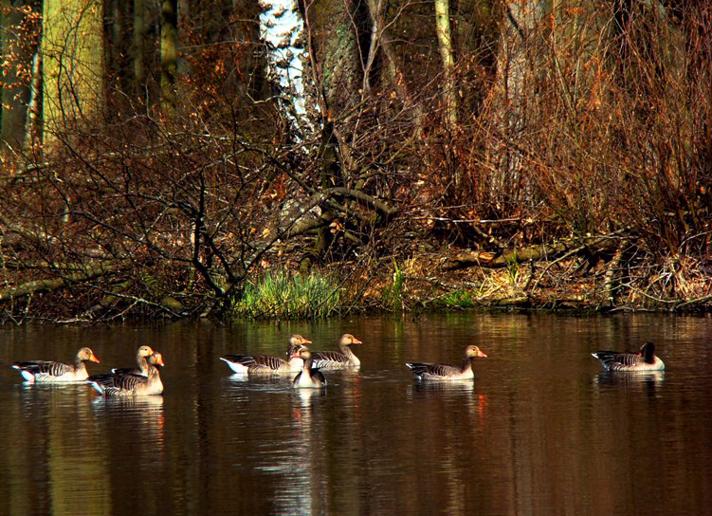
x=421 y=368
x=126 y=370
x=269 y=362
x=615 y=360
x=114 y=383
x=43 y=367
x=245 y=360
x=322 y=359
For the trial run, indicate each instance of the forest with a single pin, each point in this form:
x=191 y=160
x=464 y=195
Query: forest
x=235 y=158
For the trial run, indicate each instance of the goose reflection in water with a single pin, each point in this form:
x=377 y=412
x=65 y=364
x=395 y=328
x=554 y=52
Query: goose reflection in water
x=649 y=381
x=145 y=413
x=301 y=492
x=450 y=386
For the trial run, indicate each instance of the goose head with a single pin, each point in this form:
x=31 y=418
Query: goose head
x=647 y=351
x=86 y=354
x=296 y=340
x=156 y=359
x=347 y=340
x=473 y=351
x=305 y=354
x=144 y=351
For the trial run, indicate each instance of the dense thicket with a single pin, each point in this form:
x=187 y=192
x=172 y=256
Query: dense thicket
x=153 y=162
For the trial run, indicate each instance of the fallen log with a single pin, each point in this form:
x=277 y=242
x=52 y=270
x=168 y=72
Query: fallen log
x=594 y=245
x=50 y=284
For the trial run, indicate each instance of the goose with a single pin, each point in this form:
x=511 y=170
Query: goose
x=48 y=371
x=141 y=354
x=129 y=384
x=342 y=359
x=268 y=364
x=644 y=360
x=428 y=371
x=308 y=377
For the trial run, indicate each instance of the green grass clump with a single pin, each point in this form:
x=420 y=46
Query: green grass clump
x=393 y=294
x=285 y=296
x=457 y=299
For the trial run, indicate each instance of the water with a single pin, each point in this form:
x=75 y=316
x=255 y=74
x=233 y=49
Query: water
x=540 y=431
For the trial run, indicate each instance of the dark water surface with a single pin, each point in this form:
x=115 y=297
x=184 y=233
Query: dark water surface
x=540 y=431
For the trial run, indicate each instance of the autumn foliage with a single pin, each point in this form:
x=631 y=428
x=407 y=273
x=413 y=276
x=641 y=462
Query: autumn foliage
x=578 y=171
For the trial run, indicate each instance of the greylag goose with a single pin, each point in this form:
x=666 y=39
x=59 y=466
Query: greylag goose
x=644 y=360
x=428 y=371
x=48 y=371
x=308 y=377
x=268 y=364
x=338 y=359
x=121 y=384
x=142 y=353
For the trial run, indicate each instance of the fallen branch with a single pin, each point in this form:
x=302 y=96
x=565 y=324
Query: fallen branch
x=691 y=302
x=557 y=251
x=51 y=284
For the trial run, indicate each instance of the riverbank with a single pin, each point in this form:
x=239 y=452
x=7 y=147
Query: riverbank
x=455 y=281
x=594 y=275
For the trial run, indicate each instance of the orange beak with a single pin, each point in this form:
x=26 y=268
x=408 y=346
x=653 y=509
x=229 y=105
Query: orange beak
x=95 y=359
x=481 y=354
x=160 y=362
x=306 y=341
x=356 y=341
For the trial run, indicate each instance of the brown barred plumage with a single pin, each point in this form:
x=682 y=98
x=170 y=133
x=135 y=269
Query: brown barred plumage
x=52 y=371
x=429 y=371
x=268 y=364
x=338 y=359
x=130 y=384
x=644 y=360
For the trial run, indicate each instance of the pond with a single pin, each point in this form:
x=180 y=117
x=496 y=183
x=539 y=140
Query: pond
x=540 y=431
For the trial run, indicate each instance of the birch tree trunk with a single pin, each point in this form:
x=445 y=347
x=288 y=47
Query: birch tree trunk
x=444 y=34
x=72 y=64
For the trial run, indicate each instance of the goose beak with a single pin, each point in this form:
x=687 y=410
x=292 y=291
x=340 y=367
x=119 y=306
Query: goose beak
x=95 y=359
x=356 y=341
x=306 y=341
x=481 y=354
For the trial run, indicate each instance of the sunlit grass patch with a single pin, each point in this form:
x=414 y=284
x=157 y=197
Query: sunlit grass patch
x=457 y=299
x=392 y=295
x=287 y=296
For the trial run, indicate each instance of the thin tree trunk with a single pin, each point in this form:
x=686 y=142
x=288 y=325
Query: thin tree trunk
x=14 y=93
x=442 y=28
x=32 y=121
x=169 y=53
x=139 y=31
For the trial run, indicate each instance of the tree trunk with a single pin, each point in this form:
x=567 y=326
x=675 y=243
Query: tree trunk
x=169 y=54
x=72 y=64
x=32 y=120
x=515 y=71
x=14 y=93
x=137 y=52
x=444 y=34
x=335 y=66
